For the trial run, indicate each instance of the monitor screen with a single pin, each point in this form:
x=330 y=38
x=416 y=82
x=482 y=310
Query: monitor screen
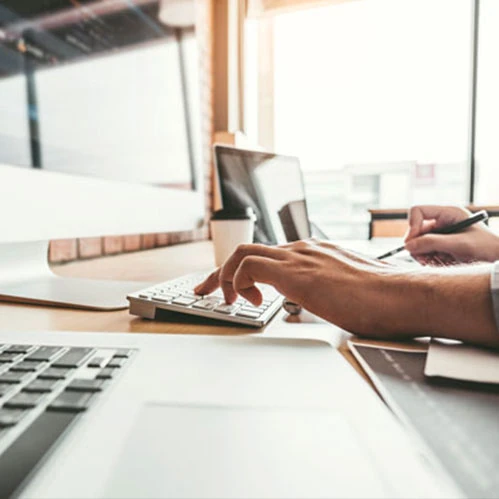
x=272 y=185
x=99 y=88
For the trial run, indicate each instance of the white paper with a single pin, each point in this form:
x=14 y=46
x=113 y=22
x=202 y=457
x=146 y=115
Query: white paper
x=462 y=362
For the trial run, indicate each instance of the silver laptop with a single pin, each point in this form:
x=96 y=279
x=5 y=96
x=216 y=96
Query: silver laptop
x=187 y=416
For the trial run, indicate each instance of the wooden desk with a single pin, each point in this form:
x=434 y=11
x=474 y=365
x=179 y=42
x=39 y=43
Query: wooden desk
x=153 y=265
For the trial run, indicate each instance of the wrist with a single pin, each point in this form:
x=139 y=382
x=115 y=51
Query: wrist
x=402 y=306
x=458 y=305
x=453 y=303
x=443 y=303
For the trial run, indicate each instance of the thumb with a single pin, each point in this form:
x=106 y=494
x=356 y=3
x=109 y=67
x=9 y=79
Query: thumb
x=430 y=243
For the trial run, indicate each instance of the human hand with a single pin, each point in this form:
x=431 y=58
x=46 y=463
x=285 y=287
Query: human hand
x=343 y=287
x=476 y=243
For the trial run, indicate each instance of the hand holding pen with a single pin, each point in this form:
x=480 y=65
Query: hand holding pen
x=430 y=241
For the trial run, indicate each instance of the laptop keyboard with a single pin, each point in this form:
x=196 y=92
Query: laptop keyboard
x=42 y=390
x=177 y=295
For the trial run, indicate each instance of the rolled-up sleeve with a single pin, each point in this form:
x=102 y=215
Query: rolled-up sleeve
x=494 y=283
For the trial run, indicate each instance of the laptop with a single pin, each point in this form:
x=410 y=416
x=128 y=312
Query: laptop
x=199 y=416
x=271 y=184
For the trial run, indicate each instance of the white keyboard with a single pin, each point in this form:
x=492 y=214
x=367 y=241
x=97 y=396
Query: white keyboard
x=177 y=295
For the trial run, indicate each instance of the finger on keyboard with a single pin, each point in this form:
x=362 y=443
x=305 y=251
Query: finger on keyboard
x=210 y=284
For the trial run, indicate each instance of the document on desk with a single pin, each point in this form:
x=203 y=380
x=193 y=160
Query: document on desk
x=462 y=362
x=372 y=248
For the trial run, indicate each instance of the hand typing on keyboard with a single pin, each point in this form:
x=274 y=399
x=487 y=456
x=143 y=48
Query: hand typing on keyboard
x=319 y=276
x=177 y=295
x=359 y=294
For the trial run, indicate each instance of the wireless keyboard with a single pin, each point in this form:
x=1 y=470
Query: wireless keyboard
x=177 y=295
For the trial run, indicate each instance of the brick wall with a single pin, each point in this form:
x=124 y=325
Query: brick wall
x=73 y=249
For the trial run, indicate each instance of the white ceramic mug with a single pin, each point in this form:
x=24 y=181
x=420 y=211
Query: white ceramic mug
x=229 y=229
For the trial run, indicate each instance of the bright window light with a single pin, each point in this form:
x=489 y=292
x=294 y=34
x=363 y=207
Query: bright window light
x=373 y=96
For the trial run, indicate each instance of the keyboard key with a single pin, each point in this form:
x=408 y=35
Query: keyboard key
x=54 y=373
x=29 y=449
x=6 y=389
x=27 y=366
x=205 y=304
x=258 y=310
x=24 y=400
x=71 y=402
x=86 y=385
x=215 y=299
x=18 y=348
x=162 y=299
x=184 y=301
x=226 y=309
x=116 y=362
x=188 y=294
x=73 y=358
x=44 y=353
x=12 y=378
x=106 y=373
x=10 y=357
x=122 y=353
x=97 y=362
x=41 y=386
x=247 y=314
x=269 y=291
x=9 y=417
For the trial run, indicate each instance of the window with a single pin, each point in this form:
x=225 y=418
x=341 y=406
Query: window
x=487 y=112
x=142 y=86
x=373 y=97
x=107 y=90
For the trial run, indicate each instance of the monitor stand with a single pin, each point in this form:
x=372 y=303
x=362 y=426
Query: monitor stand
x=25 y=277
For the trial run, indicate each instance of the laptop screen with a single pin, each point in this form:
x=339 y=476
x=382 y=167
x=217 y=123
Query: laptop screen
x=272 y=185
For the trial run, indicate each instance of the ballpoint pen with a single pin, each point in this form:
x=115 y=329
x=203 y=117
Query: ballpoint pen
x=479 y=216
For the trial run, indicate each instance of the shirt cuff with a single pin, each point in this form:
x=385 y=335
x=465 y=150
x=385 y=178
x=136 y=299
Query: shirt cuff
x=494 y=286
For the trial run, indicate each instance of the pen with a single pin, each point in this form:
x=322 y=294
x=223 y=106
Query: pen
x=479 y=216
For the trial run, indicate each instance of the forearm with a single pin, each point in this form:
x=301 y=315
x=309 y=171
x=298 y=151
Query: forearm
x=449 y=303
x=489 y=247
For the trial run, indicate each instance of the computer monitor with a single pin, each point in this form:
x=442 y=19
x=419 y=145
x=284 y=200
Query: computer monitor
x=271 y=184
x=100 y=134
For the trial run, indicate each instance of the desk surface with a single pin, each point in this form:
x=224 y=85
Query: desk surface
x=153 y=265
